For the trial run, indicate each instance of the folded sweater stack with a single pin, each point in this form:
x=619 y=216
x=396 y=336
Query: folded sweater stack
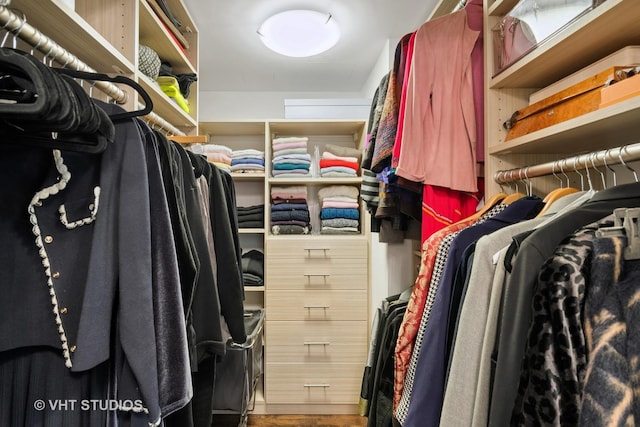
x=290 y=157
x=253 y=268
x=290 y=210
x=219 y=155
x=332 y=165
x=250 y=216
x=247 y=161
x=340 y=212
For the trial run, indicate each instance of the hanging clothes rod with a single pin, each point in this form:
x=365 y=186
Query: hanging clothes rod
x=158 y=121
x=20 y=28
x=612 y=156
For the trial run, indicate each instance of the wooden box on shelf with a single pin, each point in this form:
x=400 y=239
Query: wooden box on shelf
x=576 y=100
x=626 y=89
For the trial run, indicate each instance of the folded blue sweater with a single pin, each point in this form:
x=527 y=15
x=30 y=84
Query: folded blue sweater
x=329 y=213
x=289 y=166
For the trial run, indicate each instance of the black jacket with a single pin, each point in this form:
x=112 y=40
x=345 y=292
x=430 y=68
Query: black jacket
x=77 y=258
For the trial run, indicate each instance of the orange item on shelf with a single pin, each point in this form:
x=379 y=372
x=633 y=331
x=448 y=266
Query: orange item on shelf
x=620 y=91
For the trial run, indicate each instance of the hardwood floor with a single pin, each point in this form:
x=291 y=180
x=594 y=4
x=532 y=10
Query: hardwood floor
x=292 y=421
x=306 y=421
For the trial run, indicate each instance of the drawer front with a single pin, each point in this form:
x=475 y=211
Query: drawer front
x=316 y=305
x=313 y=383
x=311 y=273
x=321 y=342
x=314 y=247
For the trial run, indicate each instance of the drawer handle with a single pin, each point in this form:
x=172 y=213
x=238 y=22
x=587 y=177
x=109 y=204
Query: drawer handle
x=316 y=249
x=317 y=385
x=325 y=277
x=309 y=307
x=317 y=343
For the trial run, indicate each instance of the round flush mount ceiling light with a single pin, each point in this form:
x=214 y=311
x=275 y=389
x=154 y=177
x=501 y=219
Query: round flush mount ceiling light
x=299 y=33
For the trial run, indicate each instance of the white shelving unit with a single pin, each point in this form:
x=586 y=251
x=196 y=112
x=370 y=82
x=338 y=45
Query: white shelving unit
x=316 y=292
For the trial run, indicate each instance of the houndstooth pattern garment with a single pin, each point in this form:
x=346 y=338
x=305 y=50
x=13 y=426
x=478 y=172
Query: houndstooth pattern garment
x=441 y=258
x=415 y=307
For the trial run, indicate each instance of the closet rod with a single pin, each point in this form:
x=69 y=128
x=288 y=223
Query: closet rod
x=19 y=27
x=155 y=119
x=611 y=156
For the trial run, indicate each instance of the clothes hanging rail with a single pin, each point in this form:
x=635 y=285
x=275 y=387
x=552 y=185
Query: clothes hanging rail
x=155 y=120
x=608 y=157
x=19 y=27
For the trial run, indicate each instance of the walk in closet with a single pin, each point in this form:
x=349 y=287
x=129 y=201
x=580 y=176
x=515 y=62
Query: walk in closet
x=187 y=264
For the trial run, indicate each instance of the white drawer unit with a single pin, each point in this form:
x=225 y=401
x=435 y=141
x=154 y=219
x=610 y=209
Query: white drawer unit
x=316 y=286
x=317 y=320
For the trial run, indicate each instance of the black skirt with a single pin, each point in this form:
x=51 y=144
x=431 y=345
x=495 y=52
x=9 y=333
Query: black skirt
x=38 y=390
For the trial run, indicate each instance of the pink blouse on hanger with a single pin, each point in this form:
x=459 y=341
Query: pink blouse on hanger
x=439 y=129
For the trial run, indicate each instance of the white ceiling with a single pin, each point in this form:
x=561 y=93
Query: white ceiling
x=232 y=58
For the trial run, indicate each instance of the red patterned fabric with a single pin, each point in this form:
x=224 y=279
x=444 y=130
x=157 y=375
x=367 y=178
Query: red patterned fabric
x=442 y=207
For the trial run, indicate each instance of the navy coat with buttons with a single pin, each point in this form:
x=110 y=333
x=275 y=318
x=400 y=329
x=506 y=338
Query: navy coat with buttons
x=75 y=257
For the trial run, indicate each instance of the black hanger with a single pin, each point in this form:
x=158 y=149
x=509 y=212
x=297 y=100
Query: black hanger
x=42 y=108
x=22 y=81
x=45 y=107
x=148 y=103
x=16 y=89
x=59 y=115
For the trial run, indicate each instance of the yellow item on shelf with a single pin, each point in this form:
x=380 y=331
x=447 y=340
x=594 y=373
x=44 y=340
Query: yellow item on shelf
x=170 y=87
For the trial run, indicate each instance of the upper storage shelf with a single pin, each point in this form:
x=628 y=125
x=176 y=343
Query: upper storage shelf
x=105 y=35
x=602 y=31
x=319 y=127
x=72 y=32
x=165 y=107
x=500 y=7
x=179 y=49
x=608 y=127
x=347 y=133
x=154 y=34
